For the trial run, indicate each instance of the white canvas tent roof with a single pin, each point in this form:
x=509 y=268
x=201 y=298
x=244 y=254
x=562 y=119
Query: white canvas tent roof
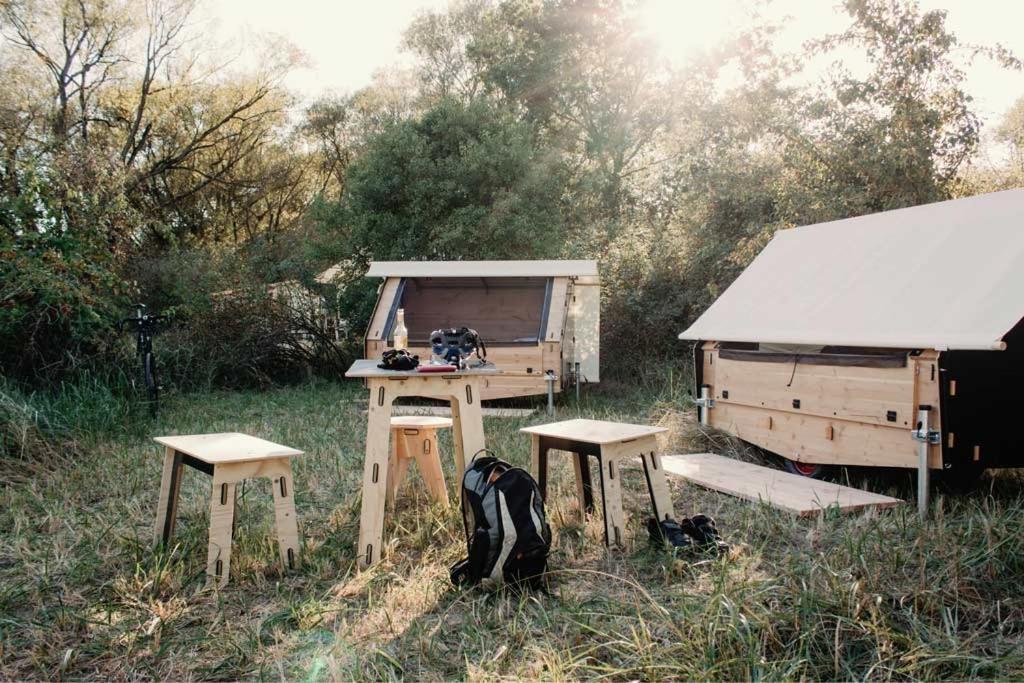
x=481 y=268
x=948 y=275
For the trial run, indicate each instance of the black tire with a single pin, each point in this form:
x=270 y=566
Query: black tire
x=807 y=469
x=152 y=388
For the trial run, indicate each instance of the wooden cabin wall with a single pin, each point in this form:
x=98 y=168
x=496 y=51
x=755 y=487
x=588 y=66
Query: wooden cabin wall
x=827 y=414
x=584 y=330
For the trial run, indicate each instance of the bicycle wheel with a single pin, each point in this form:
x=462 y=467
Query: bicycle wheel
x=152 y=388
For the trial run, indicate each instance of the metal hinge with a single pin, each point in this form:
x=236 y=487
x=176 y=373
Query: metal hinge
x=925 y=435
x=705 y=402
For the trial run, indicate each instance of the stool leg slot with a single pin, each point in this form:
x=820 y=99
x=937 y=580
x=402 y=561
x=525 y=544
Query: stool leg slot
x=611 y=494
x=285 y=517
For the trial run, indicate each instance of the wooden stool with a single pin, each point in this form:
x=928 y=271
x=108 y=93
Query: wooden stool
x=229 y=458
x=415 y=436
x=611 y=443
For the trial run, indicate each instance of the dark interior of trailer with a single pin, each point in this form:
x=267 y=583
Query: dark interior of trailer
x=503 y=310
x=982 y=404
x=849 y=356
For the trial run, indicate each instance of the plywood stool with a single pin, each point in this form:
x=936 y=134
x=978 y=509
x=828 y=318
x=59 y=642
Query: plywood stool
x=415 y=437
x=229 y=459
x=610 y=443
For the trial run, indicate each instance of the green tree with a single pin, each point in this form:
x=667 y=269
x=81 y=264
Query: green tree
x=464 y=181
x=901 y=135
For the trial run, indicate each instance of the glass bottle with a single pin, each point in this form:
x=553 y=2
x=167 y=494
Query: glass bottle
x=401 y=333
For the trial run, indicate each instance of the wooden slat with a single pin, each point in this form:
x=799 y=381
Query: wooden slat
x=805 y=438
x=791 y=492
x=443 y=411
x=557 y=309
x=383 y=307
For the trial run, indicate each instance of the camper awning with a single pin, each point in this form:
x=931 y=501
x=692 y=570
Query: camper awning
x=948 y=275
x=481 y=268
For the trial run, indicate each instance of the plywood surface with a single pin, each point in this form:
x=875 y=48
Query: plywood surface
x=481 y=268
x=779 y=489
x=368 y=368
x=593 y=431
x=230 y=447
x=425 y=421
x=443 y=411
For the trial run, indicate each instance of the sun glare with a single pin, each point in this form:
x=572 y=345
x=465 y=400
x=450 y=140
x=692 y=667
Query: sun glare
x=679 y=29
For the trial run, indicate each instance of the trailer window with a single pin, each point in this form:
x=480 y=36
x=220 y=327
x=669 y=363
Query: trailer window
x=859 y=356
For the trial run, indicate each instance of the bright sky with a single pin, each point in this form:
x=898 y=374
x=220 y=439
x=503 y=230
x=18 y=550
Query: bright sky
x=346 y=41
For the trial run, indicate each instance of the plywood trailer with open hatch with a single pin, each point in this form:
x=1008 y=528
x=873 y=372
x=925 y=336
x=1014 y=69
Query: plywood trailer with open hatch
x=855 y=342
x=534 y=316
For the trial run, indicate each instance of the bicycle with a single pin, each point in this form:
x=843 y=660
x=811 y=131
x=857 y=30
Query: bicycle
x=145 y=326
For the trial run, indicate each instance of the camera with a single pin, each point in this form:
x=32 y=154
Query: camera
x=454 y=346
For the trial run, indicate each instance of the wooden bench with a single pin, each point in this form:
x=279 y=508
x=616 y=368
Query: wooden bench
x=229 y=459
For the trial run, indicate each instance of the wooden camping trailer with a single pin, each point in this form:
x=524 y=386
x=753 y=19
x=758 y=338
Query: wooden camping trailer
x=534 y=316
x=827 y=348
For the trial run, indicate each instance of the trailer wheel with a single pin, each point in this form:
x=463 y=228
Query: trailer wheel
x=806 y=469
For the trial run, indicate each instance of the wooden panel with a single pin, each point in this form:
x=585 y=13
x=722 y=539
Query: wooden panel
x=557 y=309
x=443 y=411
x=492 y=388
x=383 y=307
x=226 y=448
x=586 y=330
x=481 y=268
x=859 y=394
x=779 y=489
x=594 y=431
x=806 y=438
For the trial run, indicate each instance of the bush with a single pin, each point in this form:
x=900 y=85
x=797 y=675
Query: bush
x=248 y=339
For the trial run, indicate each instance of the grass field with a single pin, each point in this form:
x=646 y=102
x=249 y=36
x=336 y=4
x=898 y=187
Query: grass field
x=877 y=596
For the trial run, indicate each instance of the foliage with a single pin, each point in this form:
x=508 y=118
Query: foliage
x=59 y=291
x=899 y=136
x=461 y=182
x=133 y=166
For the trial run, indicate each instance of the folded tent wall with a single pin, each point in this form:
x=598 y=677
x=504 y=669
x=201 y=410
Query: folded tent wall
x=534 y=316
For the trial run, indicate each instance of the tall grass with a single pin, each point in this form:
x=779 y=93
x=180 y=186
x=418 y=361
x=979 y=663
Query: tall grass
x=871 y=595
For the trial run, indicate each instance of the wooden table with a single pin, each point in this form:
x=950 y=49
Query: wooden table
x=610 y=443
x=228 y=459
x=461 y=389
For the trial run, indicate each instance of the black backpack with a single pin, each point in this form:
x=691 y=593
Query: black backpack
x=507 y=533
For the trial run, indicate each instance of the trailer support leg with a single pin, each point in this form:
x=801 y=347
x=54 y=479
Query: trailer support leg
x=704 y=403
x=925 y=437
x=551 y=378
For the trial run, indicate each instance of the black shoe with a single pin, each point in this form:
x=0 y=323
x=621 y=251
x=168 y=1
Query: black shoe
x=703 y=530
x=667 y=532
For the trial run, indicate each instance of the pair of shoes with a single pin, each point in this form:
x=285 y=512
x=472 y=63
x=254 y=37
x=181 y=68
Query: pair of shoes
x=697 y=532
x=667 y=532
x=703 y=530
